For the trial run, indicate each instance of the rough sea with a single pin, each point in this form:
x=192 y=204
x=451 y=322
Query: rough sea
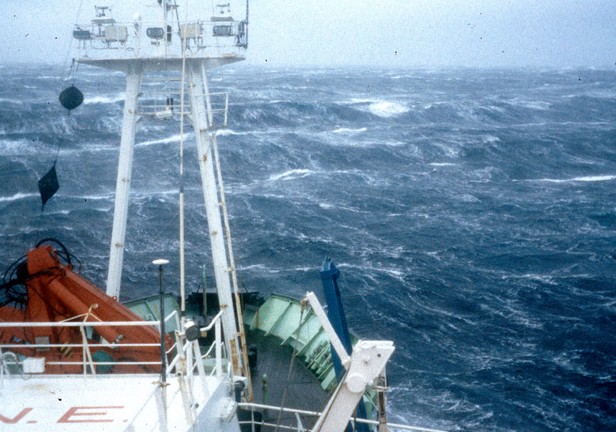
x=471 y=211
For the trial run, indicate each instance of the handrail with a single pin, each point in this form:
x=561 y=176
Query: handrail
x=75 y=345
x=212 y=323
x=86 y=362
x=141 y=39
x=186 y=347
x=79 y=324
x=251 y=406
x=217 y=324
x=152 y=106
x=173 y=314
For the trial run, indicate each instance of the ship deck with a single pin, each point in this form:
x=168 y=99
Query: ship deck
x=97 y=403
x=303 y=389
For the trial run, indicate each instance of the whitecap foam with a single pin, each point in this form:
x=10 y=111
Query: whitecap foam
x=259 y=267
x=350 y=131
x=104 y=99
x=11 y=101
x=584 y=179
x=531 y=104
x=379 y=107
x=174 y=138
x=226 y=132
x=291 y=174
x=490 y=139
x=19 y=147
x=63 y=213
x=361 y=101
x=442 y=164
x=327 y=206
x=387 y=109
x=18 y=196
x=468 y=198
x=102 y=197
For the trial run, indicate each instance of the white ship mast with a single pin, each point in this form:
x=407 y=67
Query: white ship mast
x=164 y=43
x=90 y=371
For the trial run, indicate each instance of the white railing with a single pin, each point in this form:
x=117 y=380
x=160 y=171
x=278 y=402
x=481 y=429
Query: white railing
x=170 y=105
x=218 y=345
x=265 y=424
x=86 y=363
x=108 y=39
x=12 y=359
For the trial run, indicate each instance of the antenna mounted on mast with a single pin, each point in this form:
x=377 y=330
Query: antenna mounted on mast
x=222 y=6
x=100 y=10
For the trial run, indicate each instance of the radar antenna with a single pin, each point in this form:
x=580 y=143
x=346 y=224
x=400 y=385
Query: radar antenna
x=100 y=10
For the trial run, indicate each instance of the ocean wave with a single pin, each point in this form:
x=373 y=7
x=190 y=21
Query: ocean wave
x=350 y=131
x=387 y=109
x=18 y=196
x=545 y=279
x=291 y=174
x=11 y=101
x=19 y=147
x=491 y=139
x=104 y=99
x=337 y=207
x=585 y=179
x=536 y=105
x=442 y=164
x=171 y=139
x=260 y=268
x=227 y=132
x=101 y=197
x=379 y=107
x=420 y=261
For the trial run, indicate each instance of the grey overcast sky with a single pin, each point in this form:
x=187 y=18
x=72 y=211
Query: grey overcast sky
x=485 y=33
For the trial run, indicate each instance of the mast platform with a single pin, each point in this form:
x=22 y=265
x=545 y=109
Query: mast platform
x=161 y=41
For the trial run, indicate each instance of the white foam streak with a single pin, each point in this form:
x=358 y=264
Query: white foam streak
x=226 y=132
x=381 y=108
x=291 y=174
x=18 y=196
x=171 y=139
x=348 y=131
x=19 y=147
x=585 y=179
x=105 y=197
x=104 y=99
x=11 y=101
x=442 y=164
x=387 y=109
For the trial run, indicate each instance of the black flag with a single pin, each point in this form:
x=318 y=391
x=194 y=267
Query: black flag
x=48 y=184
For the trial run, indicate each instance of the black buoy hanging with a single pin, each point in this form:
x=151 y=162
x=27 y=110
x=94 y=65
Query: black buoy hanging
x=48 y=184
x=71 y=97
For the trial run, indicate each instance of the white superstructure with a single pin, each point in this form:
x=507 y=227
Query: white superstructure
x=196 y=396
x=159 y=39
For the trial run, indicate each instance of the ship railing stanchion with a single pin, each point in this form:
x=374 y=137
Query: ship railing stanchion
x=163 y=351
x=217 y=332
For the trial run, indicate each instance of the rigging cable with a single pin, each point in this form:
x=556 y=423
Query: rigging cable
x=182 y=102
x=71 y=70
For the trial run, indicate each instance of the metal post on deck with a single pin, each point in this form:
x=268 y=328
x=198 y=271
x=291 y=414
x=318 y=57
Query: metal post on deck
x=163 y=349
